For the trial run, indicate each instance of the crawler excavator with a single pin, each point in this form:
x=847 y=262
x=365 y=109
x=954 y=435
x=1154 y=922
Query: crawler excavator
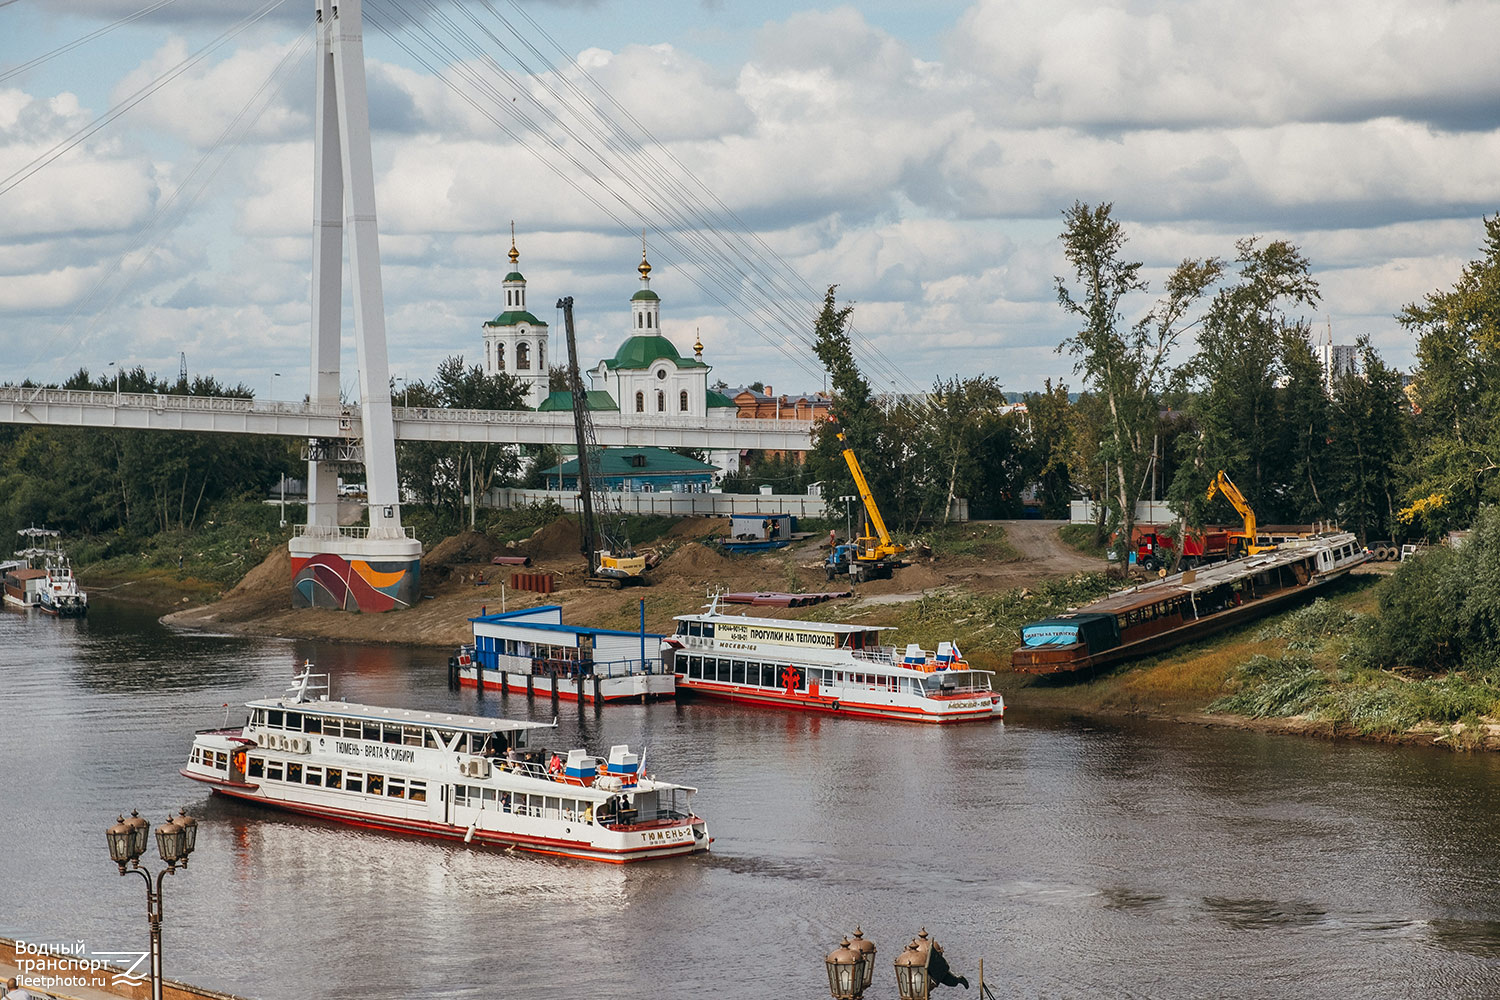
x=1222 y=484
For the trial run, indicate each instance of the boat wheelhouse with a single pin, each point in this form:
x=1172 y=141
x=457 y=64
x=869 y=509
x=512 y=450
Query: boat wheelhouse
x=22 y=584
x=825 y=667
x=1163 y=613
x=532 y=651
x=460 y=777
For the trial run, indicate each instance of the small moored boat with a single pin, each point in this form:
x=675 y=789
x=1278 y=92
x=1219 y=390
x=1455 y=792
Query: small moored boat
x=468 y=778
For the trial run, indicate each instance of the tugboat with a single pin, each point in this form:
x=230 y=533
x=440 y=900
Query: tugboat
x=460 y=777
x=49 y=583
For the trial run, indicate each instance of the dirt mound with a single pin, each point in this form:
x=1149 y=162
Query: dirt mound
x=699 y=527
x=693 y=558
x=557 y=540
x=273 y=575
x=462 y=549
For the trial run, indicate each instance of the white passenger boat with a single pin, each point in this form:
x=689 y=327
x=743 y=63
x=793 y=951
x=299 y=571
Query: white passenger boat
x=825 y=667
x=47 y=581
x=468 y=778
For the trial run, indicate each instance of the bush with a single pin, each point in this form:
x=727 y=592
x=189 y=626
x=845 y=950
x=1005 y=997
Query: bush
x=1306 y=628
x=1281 y=687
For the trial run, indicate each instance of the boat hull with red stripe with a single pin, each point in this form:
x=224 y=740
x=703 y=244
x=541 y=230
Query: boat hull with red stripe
x=474 y=779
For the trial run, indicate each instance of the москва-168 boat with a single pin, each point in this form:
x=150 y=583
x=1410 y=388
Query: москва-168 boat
x=455 y=776
x=1164 y=613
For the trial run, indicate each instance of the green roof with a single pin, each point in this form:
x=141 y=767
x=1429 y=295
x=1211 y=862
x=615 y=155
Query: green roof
x=514 y=276
x=645 y=295
x=716 y=398
x=596 y=399
x=618 y=462
x=515 y=318
x=639 y=352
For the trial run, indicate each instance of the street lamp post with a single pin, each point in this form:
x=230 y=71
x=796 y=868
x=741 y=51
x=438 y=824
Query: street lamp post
x=848 y=517
x=116 y=366
x=274 y=377
x=175 y=839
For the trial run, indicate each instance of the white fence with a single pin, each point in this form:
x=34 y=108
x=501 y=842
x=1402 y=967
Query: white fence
x=675 y=504
x=1146 y=512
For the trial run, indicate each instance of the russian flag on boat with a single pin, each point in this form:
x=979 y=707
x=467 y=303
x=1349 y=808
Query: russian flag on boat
x=946 y=654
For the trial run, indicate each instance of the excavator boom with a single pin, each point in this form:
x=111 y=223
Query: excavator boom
x=1222 y=484
x=863 y=485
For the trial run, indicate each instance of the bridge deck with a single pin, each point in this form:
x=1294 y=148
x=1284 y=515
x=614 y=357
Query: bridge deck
x=148 y=411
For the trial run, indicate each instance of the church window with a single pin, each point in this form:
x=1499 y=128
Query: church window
x=640 y=402
x=661 y=401
x=640 y=320
x=487 y=364
x=523 y=357
x=541 y=355
x=661 y=373
x=500 y=357
x=648 y=321
x=682 y=403
x=510 y=298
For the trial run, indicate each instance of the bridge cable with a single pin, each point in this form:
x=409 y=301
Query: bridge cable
x=70 y=46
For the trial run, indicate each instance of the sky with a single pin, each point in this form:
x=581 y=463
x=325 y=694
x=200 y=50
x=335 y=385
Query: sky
x=919 y=156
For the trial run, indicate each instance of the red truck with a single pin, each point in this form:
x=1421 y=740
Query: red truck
x=1154 y=549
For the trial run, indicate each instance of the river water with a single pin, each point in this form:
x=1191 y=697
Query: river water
x=1078 y=858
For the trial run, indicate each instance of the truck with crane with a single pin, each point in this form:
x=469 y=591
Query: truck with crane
x=610 y=562
x=868 y=557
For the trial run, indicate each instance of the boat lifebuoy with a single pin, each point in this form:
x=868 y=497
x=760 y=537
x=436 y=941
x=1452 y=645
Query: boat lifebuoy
x=834 y=706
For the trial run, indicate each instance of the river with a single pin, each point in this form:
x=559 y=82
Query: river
x=1079 y=858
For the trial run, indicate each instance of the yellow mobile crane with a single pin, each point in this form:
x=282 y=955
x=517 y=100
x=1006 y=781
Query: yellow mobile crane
x=868 y=557
x=1223 y=484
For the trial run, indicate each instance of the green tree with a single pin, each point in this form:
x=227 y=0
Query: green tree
x=1127 y=366
x=1457 y=392
x=1367 y=445
x=1047 y=435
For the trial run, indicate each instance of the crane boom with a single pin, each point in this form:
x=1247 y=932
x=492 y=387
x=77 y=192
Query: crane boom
x=1222 y=484
x=863 y=485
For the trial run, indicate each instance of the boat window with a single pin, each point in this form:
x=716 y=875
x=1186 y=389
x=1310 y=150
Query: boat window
x=521 y=739
x=354 y=782
x=551 y=809
x=259 y=716
x=370 y=731
x=273 y=770
x=293 y=772
x=460 y=795
x=193 y=757
x=489 y=793
x=737 y=676
x=412 y=736
x=375 y=784
x=294 y=721
x=437 y=739
x=417 y=791
x=313 y=776
x=396 y=788
x=273 y=719
x=334 y=778
x=694 y=628
x=693 y=666
x=391 y=733
x=312 y=724
x=257 y=767
x=708 y=630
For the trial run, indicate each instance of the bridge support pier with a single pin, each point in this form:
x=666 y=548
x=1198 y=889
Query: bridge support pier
x=354 y=573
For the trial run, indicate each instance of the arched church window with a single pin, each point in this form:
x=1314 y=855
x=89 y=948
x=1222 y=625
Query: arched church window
x=682 y=403
x=541 y=355
x=640 y=320
x=499 y=357
x=523 y=357
x=648 y=321
x=488 y=365
x=640 y=402
x=661 y=401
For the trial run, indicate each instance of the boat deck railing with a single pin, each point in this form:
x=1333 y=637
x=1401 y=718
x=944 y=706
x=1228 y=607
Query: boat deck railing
x=548 y=667
x=883 y=655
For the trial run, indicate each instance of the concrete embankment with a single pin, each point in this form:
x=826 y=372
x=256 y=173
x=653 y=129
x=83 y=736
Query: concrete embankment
x=68 y=971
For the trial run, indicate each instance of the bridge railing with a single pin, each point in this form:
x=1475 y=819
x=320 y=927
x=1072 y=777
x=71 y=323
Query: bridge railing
x=346 y=531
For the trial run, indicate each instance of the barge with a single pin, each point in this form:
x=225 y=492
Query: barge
x=1164 y=613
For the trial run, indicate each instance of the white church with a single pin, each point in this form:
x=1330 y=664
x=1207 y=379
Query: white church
x=647 y=374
